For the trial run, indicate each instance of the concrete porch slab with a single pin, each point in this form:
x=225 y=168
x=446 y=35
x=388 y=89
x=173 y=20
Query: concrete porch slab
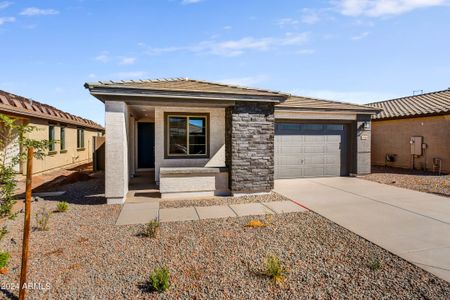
x=138 y=213
x=284 y=207
x=250 y=209
x=178 y=214
x=215 y=212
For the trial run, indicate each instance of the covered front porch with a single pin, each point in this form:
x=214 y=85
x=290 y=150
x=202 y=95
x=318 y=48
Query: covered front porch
x=200 y=139
x=170 y=151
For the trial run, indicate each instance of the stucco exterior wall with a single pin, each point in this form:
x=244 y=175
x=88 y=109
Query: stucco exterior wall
x=363 y=144
x=59 y=159
x=116 y=151
x=393 y=136
x=216 y=136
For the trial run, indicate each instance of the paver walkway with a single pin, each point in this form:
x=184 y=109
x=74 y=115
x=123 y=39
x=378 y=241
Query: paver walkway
x=411 y=224
x=141 y=213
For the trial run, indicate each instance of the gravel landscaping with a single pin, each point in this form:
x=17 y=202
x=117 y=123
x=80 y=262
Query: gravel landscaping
x=411 y=179
x=85 y=256
x=222 y=200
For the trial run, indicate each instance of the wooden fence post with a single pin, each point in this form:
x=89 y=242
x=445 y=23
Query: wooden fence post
x=26 y=226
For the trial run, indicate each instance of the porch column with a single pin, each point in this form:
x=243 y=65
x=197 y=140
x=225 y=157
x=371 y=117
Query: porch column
x=116 y=151
x=249 y=147
x=131 y=146
x=363 y=135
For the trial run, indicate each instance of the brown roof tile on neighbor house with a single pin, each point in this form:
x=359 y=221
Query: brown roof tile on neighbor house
x=183 y=85
x=300 y=102
x=433 y=103
x=21 y=106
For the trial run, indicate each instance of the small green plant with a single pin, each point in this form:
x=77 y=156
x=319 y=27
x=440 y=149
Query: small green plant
x=62 y=206
x=3 y=232
x=374 y=264
x=4 y=258
x=151 y=229
x=274 y=269
x=42 y=219
x=160 y=279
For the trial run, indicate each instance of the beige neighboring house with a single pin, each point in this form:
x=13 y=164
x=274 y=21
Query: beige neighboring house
x=413 y=131
x=73 y=134
x=203 y=138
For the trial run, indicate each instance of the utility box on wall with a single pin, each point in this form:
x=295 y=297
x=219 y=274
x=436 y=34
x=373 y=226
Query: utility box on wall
x=416 y=145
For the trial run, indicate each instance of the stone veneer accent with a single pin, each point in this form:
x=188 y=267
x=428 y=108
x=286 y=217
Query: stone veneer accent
x=249 y=146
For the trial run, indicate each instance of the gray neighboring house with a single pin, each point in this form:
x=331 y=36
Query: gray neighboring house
x=202 y=138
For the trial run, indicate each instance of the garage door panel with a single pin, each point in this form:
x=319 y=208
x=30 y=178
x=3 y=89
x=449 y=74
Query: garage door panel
x=333 y=138
x=313 y=171
x=332 y=160
x=290 y=161
x=314 y=159
x=294 y=140
x=310 y=150
x=333 y=148
x=314 y=139
x=314 y=149
x=289 y=150
x=332 y=170
x=290 y=173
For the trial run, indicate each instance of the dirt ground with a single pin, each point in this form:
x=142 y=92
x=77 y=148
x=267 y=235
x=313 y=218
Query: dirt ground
x=411 y=179
x=84 y=255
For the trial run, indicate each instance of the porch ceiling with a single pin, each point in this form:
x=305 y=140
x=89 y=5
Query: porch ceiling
x=142 y=111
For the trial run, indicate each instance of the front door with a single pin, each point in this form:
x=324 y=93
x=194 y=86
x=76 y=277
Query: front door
x=146 y=145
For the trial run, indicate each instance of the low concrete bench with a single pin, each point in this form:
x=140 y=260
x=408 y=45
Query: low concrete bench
x=182 y=182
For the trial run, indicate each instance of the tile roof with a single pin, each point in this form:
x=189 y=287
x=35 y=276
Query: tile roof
x=301 y=102
x=10 y=103
x=184 y=85
x=419 y=105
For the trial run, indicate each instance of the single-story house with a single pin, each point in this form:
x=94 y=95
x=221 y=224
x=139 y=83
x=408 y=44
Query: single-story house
x=203 y=138
x=413 y=132
x=73 y=135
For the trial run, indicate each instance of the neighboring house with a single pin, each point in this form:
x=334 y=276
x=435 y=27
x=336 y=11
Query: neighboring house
x=72 y=135
x=204 y=138
x=416 y=124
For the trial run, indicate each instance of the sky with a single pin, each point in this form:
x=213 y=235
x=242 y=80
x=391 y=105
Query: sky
x=349 y=50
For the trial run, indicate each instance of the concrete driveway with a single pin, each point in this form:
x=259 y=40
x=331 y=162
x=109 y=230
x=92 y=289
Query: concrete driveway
x=410 y=224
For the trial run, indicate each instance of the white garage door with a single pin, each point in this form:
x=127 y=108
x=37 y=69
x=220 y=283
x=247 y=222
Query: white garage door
x=310 y=150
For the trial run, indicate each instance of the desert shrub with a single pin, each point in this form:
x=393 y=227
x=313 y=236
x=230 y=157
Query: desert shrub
x=159 y=279
x=3 y=232
x=274 y=269
x=151 y=229
x=62 y=206
x=4 y=258
x=374 y=264
x=42 y=219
